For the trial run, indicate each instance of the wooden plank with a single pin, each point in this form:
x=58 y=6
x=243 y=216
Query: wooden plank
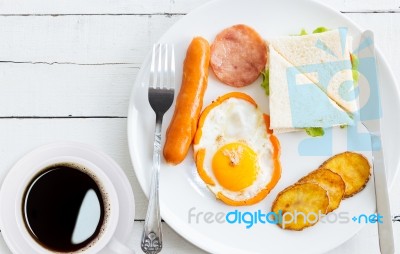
x=156 y=6
x=3 y=247
x=363 y=5
x=365 y=242
x=172 y=242
x=104 y=90
x=120 y=39
x=89 y=40
x=395 y=209
x=98 y=6
x=19 y=136
x=80 y=39
x=387 y=34
x=65 y=90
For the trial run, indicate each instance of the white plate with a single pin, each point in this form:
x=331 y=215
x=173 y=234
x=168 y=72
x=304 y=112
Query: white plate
x=24 y=166
x=180 y=187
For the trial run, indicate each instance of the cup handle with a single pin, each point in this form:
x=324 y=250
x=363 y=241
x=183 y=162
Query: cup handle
x=116 y=247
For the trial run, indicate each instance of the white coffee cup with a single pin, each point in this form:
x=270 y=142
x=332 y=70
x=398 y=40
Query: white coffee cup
x=104 y=242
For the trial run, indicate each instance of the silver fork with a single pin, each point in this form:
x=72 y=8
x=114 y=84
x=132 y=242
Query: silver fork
x=161 y=95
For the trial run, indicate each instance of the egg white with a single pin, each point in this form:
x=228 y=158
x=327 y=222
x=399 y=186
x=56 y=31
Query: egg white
x=237 y=120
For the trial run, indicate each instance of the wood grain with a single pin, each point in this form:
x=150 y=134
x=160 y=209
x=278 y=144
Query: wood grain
x=65 y=90
x=80 y=39
x=157 y=6
x=119 y=39
x=99 y=6
x=85 y=76
x=172 y=242
x=80 y=58
x=387 y=33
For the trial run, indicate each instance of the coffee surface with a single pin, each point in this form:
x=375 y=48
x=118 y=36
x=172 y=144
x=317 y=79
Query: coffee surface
x=64 y=209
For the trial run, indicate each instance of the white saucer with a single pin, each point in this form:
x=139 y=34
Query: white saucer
x=8 y=192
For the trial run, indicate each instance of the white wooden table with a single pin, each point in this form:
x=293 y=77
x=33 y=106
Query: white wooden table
x=67 y=68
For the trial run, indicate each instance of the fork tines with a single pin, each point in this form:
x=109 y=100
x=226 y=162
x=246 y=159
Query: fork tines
x=162 y=68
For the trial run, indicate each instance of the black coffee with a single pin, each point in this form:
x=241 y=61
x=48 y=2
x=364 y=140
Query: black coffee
x=64 y=208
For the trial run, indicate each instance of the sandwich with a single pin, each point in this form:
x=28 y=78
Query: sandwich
x=311 y=81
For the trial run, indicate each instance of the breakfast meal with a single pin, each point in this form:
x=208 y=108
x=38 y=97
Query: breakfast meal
x=341 y=176
x=189 y=102
x=235 y=150
x=238 y=55
x=310 y=70
x=235 y=154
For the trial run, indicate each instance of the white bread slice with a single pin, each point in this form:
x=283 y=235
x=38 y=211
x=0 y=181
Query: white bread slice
x=301 y=104
x=324 y=52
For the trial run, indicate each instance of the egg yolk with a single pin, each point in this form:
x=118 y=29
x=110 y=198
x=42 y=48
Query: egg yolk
x=235 y=166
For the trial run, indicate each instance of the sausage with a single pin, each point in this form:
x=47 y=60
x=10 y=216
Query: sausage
x=238 y=55
x=189 y=102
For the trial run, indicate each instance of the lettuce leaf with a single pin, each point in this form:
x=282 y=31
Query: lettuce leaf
x=317 y=30
x=354 y=67
x=303 y=32
x=320 y=29
x=265 y=81
x=315 y=131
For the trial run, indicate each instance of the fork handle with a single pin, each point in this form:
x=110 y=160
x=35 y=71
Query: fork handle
x=152 y=231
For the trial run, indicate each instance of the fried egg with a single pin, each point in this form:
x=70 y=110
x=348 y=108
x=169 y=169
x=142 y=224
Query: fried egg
x=236 y=155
